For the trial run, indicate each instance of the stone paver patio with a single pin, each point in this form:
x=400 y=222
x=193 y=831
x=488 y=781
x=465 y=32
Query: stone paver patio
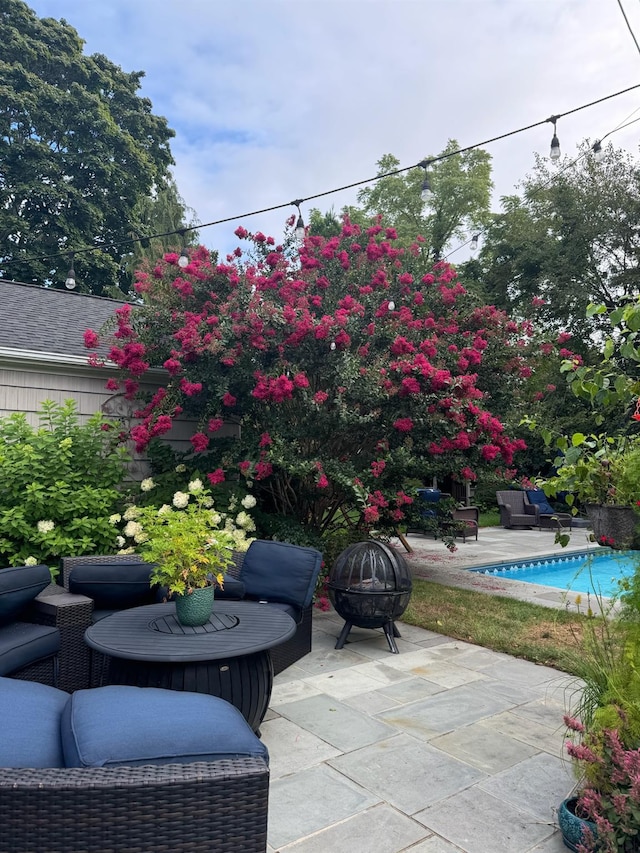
x=446 y=747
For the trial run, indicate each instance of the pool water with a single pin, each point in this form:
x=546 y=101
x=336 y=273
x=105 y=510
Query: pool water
x=587 y=572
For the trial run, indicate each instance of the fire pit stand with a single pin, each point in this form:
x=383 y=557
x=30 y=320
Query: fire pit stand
x=370 y=586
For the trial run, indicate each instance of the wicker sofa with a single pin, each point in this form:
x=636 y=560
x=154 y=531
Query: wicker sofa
x=103 y=778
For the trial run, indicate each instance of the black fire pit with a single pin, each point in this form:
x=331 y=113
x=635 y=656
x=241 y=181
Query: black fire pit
x=370 y=586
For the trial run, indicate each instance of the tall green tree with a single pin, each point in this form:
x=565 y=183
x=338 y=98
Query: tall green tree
x=461 y=191
x=79 y=150
x=569 y=240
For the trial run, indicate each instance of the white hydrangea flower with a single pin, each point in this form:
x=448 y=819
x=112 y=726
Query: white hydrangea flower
x=195 y=486
x=31 y=561
x=216 y=518
x=245 y=521
x=127 y=551
x=147 y=484
x=120 y=541
x=45 y=526
x=131 y=513
x=115 y=518
x=141 y=537
x=164 y=509
x=248 y=501
x=180 y=469
x=180 y=500
x=208 y=501
x=133 y=529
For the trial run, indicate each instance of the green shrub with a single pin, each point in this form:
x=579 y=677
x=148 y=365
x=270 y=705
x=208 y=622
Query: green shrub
x=59 y=485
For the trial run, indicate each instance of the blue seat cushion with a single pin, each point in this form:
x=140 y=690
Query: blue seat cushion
x=277 y=571
x=289 y=609
x=31 y=715
x=18 y=587
x=22 y=644
x=113 y=586
x=120 y=725
x=538 y=498
x=232 y=589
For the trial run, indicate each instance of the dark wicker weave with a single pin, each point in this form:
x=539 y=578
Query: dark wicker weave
x=218 y=807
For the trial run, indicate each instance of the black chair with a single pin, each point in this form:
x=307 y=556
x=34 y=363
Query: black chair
x=27 y=650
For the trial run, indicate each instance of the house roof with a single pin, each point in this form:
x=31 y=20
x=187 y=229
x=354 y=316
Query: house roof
x=42 y=320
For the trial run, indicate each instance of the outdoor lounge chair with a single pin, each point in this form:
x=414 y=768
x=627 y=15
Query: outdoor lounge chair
x=545 y=515
x=515 y=511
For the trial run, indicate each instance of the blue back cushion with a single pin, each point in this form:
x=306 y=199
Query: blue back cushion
x=113 y=586
x=146 y=725
x=277 y=571
x=30 y=715
x=18 y=587
x=539 y=499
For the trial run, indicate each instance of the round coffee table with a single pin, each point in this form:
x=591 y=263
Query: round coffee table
x=227 y=657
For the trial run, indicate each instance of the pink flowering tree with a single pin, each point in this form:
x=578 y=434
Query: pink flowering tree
x=350 y=368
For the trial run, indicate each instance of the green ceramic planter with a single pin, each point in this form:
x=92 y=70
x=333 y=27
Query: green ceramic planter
x=572 y=826
x=195 y=609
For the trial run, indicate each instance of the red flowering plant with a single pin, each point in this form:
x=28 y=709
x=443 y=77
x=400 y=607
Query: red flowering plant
x=350 y=367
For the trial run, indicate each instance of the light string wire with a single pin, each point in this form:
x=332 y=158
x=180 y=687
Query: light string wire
x=481 y=231
x=438 y=158
x=626 y=20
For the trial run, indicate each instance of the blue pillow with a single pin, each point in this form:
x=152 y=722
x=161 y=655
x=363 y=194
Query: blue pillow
x=277 y=571
x=113 y=586
x=538 y=498
x=18 y=587
x=30 y=715
x=119 y=725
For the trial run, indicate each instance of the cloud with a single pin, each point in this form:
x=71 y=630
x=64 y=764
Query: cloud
x=273 y=100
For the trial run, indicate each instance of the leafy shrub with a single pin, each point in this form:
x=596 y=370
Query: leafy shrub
x=59 y=485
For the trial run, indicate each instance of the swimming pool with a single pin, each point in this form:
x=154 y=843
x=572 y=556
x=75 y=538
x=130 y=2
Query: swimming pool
x=582 y=571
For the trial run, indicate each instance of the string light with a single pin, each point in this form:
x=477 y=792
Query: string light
x=426 y=193
x=183 y=260
x=402 y=170
x=70 y=281
x=473 y=246
x=300 y=232
x=554 y=153
x=598 y=151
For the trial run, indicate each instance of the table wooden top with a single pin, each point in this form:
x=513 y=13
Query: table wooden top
x=153 y=633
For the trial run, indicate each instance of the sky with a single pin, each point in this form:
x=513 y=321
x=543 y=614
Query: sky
x=273 y=100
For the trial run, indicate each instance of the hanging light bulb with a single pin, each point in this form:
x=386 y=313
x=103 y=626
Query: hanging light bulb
x=391 y=306
x=598 y=151
x=473 y=246
x=426 y=193
x=554 y=152
x=183 y=260
x=332 y=346
x=299 y=232
x=70 y=281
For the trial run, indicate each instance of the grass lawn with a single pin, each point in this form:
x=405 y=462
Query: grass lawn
x=539 y=634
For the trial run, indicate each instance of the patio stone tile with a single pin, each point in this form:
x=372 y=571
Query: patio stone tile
x=453 y=649
x=442 y=672
x=271 y=715
x=337 y=723
x=543 y=737
x=312 y=800
x=324 y=660
x=371 y=703
x=484 y=748
x=380 y=829
x=344 y=683
x=476 y=657
x=478 y=823
x=410 y=690
x=516 y=694
x=534 y=785
x=415 y=634
x=544 y=711
x=292 y=691
x=410 y=775
x=553 y=844
x=291 y=673
x=384 y=674
x=521 y=672
x=291 y=748
x=433 y=844
x=443 y=712
x=375 y=646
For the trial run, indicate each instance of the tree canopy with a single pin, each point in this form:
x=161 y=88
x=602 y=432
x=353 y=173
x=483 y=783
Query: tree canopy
x=79 y=150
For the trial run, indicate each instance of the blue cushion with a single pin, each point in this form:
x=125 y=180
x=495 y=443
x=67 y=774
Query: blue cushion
x=277 y=571
x=18 y=587
x=538 y=498
x=146 y=725
x=30 y=715
x=113 y=586
x=22 y=643
x=231 y=589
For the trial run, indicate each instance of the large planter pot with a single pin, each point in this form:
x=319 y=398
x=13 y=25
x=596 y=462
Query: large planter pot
x=617 y=524
x=195 y=608
x=572 y=826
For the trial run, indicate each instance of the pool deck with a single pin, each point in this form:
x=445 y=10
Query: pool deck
x=446 y=747
x=430 y=560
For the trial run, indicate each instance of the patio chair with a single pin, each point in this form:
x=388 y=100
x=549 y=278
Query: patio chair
x=515 y=511
x=545 y=515
x=469 y=516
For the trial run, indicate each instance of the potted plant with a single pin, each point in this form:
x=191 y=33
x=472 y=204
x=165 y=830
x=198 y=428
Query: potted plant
x=602 y=474
x=190 y=544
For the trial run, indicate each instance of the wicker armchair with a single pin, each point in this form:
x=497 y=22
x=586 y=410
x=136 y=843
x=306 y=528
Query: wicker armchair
x=173 y=808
